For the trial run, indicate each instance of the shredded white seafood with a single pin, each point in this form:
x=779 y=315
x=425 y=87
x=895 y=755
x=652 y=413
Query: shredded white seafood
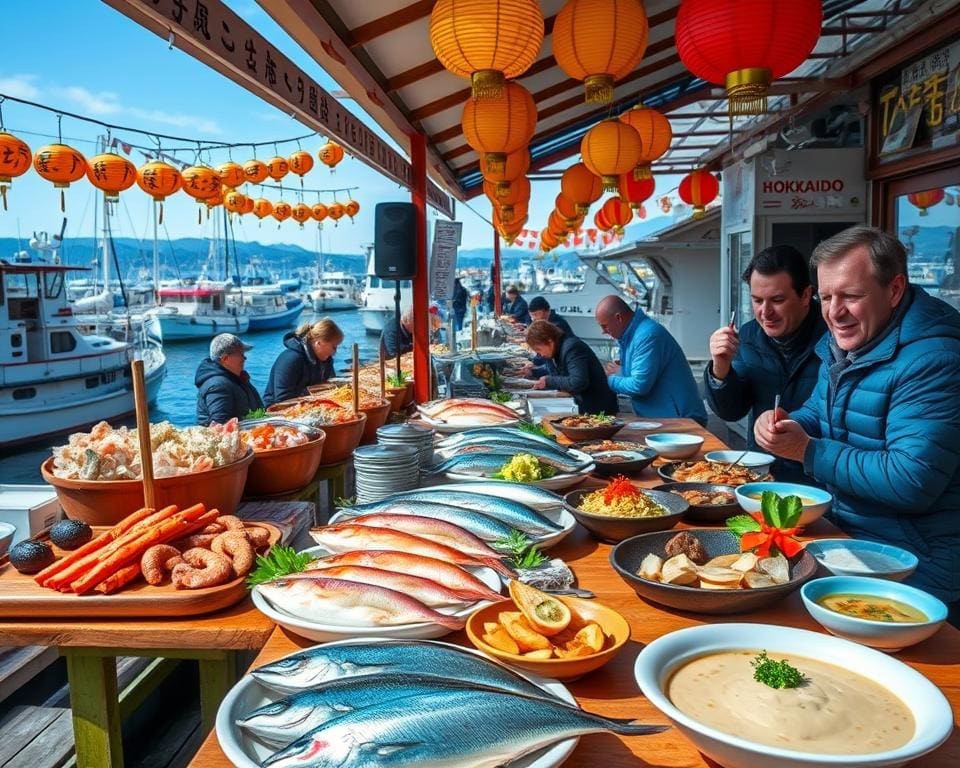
x=106 y=453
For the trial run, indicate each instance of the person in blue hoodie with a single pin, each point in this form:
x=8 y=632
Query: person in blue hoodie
x=882 y=428
x=652 y=371
x=771 y=355
x=307 y=359
x=224 y=390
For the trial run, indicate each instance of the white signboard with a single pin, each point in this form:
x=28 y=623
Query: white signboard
x=443 y=258
x=824 y=180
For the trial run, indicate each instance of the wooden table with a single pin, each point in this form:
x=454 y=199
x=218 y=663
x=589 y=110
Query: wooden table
x=612 y=691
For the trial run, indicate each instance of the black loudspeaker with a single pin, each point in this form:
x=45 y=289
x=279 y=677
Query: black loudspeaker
x=395 y=241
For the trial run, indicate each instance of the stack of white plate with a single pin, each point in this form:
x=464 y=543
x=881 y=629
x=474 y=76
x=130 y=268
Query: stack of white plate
x=420 y=437
x=385 y=469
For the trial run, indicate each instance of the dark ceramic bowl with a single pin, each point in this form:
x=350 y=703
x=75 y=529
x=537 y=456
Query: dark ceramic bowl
x=615 y=529
x=706 y=513
x=666 y=472
x=626 y=463
x=601 y=432
x=627 y=556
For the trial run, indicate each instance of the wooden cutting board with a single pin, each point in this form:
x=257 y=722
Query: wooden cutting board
x=22 y=597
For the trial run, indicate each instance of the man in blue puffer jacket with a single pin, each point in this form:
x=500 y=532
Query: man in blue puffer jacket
x=882 y=428
x=772 y=354
x=653 y=371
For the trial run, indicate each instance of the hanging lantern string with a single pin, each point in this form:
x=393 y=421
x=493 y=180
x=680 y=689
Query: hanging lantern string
x=2 y=99
x=282 y=189
x=191 y=142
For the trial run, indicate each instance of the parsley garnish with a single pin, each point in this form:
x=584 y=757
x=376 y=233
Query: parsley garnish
x=535 y=429
x=279 y=561
x=776 y=674
x=259 y=413
x=523 y=552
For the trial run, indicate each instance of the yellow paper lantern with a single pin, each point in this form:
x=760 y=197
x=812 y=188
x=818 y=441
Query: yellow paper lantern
x=60 y=164
x=111 y=173
x=582 y=186
x=15 y=157
x=600 y=42
x=488 y=41
x=256 y=171
x=499 y=126
x=655 y=134
x=231 y=174
x=610 y=148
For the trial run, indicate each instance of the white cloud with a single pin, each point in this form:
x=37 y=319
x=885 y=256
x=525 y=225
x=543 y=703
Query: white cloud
x=202 y=126
x=98 y=104
x=20 y=86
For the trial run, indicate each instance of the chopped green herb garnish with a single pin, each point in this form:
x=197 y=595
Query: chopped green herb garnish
x=279 y=561
x=523 y=552
x=340 y=501
x=501 y=397
x=776 y=674
x=535 y=429
x=259 y=413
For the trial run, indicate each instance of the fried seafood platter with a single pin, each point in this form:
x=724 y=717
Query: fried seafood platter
x=708 y=472
x=165 y=562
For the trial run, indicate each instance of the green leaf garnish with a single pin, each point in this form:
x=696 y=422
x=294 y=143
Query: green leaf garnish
x=258 y=413
x=780 y=512
x=279 y=561
x=340 y=501
x=501 y=397
x=535 y=429
x=776 y=674
x=523 y=552
x=741 y=524
x=397 y=379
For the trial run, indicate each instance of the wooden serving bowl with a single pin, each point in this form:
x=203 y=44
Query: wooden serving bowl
x=377 y=416
x=397 y=396
x=342 y=439
x=284 y=470
x=106 y=502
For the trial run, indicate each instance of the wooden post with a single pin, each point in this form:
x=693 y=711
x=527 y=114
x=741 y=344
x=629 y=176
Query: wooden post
x=356 y=379
x=383 y=375
x=473 y=327
x=143 y=434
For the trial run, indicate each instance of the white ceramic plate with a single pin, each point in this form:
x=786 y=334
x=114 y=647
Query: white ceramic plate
x=558 y=515
x=644 y=425
x=330 y=630
x=555 y=483
x=246 y=752
x=448 y=428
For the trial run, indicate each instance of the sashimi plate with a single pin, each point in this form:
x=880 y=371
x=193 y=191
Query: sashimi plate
x=244 y=751
x=331 y=630
x=451 y=427
x=558 y=482
x=557 y=515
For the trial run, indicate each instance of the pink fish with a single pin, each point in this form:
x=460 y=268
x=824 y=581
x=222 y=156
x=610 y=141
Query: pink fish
x=467 y=406
x=426 y=591
x=345 y=537
x=448 y=575
x=440 y=531
x=337 y=601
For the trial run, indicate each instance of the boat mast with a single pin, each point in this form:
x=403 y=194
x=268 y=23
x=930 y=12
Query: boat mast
x=156 y=253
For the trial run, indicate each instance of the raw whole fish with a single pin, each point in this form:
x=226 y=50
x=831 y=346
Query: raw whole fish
x=515 y=514
x=511 y=446
x=337 y=601
x=480 y=729
x=293 y=716
x=448 y=575
x=441 y=409
x=317 y=665
x=439 y=531
x=493 y=432
x=428 y=592
x=527 y=495
x=485 y=527
x=347 y=537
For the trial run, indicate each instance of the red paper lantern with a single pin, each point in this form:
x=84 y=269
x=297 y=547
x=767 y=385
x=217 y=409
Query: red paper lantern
x=699 y=189
x=746 y=44
x=618 y=212
x=926 y=199
x=635 y=190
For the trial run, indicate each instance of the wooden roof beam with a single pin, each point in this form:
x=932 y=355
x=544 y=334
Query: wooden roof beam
x=373 y=29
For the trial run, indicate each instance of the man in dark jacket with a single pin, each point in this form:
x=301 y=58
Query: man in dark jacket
x=539 y=309
x=397 y=338
x=224 y=388
x=880 y=429
x=773 y=354
x=516 y=306
x=458 y=304
x=579 y=372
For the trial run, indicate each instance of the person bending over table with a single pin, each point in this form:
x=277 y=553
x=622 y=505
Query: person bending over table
x=307 y=359
x=882 y=428
x=579 y=372
x=516 y=307
x=653 y=371
x=397 y=338
x=773 y=354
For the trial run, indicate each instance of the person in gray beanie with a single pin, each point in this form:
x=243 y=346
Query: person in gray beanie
x=224 y=388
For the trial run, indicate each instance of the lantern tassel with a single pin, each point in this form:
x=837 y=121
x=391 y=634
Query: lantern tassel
x=63 y=202
x=486 y=84
x=747 y=91
x=598 y=89
x=199 y=217
x=160 y=214
x=641 y=172
x=3 y=194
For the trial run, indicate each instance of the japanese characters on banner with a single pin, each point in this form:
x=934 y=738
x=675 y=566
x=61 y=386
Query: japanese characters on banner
x=222 y=35
x=443 y=258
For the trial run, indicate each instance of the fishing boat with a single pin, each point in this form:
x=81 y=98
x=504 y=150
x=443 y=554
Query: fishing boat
x=378 y=302
x=267 y=309
x=198 y=311
x=334 y=292
x=55 y=377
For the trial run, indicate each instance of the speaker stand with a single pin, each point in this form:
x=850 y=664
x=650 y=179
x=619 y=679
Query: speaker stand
x=396 y=304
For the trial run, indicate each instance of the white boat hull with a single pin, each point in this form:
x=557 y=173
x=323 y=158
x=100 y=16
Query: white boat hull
x=177 y=327
x=374 y=318
x=333 y=304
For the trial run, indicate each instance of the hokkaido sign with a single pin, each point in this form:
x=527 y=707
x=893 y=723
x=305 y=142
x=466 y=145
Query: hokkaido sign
x=211 y=32
x=823 y=179
x=443 y=258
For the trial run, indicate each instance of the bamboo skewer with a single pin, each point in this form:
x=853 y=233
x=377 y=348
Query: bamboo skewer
x=383 y=375
x=356 y=379
x=143 y=434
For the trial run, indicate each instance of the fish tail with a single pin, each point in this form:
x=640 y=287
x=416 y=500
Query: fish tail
x=451 y=622
x=628 y=727
x=496 y=564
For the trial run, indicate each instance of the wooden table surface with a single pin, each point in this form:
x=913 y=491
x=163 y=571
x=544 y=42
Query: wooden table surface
x=612 y=691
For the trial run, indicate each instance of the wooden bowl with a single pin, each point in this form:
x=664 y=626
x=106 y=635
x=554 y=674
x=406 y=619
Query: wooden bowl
x=284 y=470
x=614 y=529
x=106 y=502
x=377 y=416
x=578 y=434
x=614 y=626
x=342 y=439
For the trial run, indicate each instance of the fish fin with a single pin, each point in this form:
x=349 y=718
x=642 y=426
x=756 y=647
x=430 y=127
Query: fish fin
x=627 y=727
x=497 y=565
x=383 y=750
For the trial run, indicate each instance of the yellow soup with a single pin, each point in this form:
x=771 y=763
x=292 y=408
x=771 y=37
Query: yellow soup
x=873 y=608
x=803 y=499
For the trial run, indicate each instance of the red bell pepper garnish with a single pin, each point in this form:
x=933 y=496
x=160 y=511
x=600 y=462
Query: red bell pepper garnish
x=772 y=529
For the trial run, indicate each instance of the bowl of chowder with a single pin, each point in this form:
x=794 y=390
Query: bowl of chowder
x=702 y=679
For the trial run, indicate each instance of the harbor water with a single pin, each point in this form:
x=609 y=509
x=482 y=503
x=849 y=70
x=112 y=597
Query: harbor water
x=177 y=400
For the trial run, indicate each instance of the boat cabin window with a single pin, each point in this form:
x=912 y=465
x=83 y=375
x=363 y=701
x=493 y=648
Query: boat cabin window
x=62 y=341
x=52 y=284
x=92 y=382
x=24 y=309
x=16 y=340
x=24 y=393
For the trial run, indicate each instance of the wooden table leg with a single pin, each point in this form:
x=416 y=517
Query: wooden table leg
x=96 y=709
x=218 y=673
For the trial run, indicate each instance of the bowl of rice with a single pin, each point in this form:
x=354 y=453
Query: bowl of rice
x=620 y=510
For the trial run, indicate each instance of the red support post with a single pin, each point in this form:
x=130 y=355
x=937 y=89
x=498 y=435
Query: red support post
x=496 y=277
x=421 y=283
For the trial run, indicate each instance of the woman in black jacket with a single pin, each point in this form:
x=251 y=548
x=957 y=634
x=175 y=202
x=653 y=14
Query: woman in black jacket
x=579 y=372
x=307 y=359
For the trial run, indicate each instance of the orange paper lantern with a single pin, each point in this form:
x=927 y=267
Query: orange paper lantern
x=301 y=212
x=601 y=222
x=699 y=189
x=281 y=211
x=567 y=208
x=300 y=163
x=60 y=164
x=15 y=157
x=111 y=173
x=516 y=165
x=499 y=126
x=335 y=211
x=600 y=42
x=234 y=201
x=247 y=206
x=488 y=41
x=277 y=168
x=231 y=174
x=655 y=136
x=262 y=207
x=609 y=149
x=159 y=180
x=256 y=171
x=201 y=182
x=582 y=186
x=319 y=212
x=330 y=154
x=351 y=208
x=509 y=193
x=926 y=199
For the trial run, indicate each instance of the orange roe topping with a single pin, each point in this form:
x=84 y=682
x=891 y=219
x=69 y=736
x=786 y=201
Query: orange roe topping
x=620 y=487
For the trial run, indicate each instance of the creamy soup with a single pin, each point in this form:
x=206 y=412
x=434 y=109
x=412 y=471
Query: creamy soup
x=807 y=502
x=864 y=561
x=873 y=608
x=835 y=711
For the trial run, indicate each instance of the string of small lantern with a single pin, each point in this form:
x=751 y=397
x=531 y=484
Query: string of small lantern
x=210 y=186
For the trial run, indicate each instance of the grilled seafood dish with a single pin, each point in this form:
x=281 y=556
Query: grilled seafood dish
x=707 y=498
x=710 y=472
